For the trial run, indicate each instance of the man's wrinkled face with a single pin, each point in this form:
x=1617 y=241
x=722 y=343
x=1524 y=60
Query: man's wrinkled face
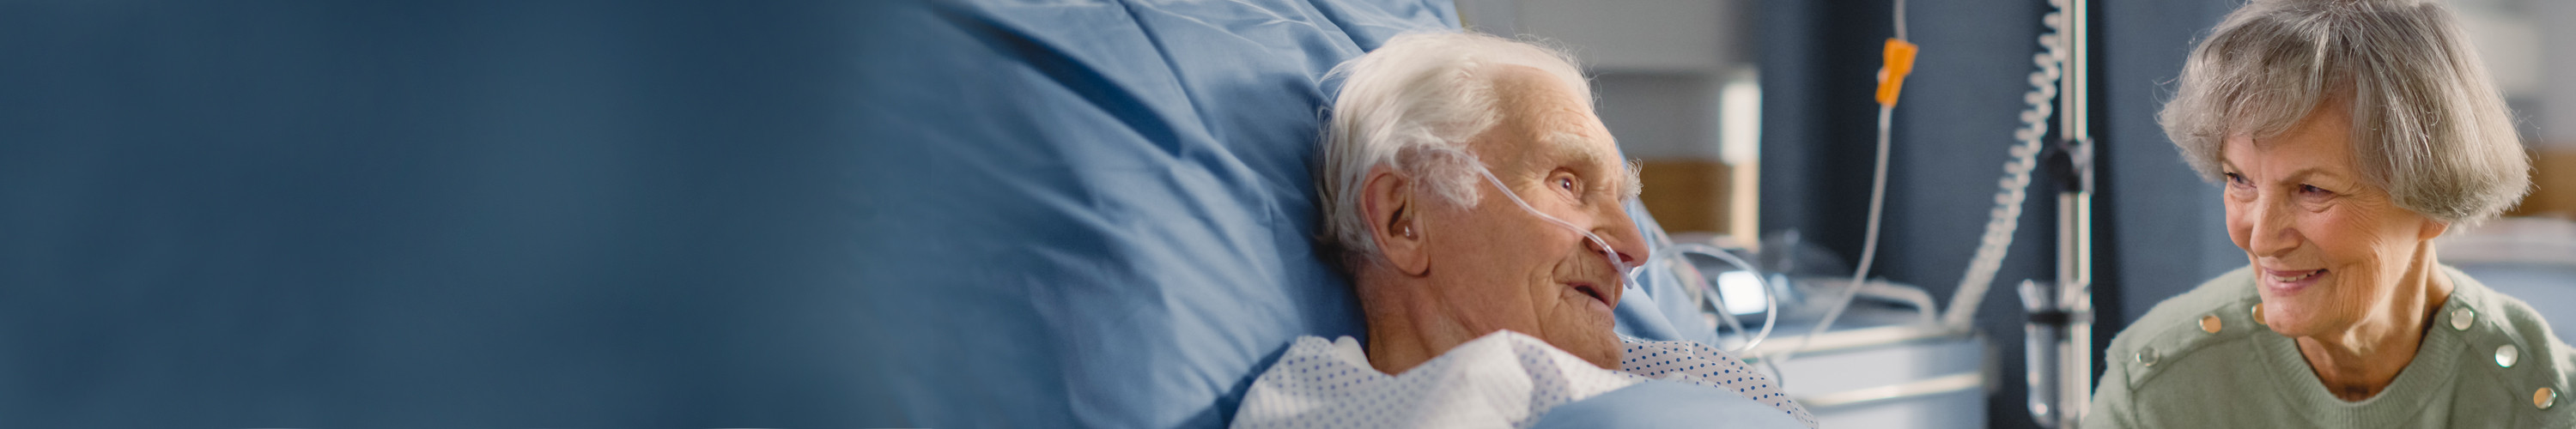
x=1510 y=269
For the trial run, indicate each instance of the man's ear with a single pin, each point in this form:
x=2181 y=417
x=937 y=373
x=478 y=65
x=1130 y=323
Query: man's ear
x=1394 y=220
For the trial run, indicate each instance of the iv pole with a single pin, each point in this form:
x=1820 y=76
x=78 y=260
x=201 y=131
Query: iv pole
x=2074 y=307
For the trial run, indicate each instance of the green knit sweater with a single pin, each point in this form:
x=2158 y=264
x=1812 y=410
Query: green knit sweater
x=2200 y=361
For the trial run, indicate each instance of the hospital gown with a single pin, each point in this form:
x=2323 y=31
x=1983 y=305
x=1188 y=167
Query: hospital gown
x=1504 y=379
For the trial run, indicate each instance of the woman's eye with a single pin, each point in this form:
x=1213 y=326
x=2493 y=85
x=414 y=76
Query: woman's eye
x=1565 y=183
x=2235 y=178
x=2313 y=190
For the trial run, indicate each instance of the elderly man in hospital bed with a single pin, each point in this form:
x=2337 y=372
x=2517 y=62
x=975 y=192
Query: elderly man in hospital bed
x=1475 y=202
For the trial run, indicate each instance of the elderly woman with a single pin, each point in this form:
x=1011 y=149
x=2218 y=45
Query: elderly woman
x=1474 y=200
x=2346 y=135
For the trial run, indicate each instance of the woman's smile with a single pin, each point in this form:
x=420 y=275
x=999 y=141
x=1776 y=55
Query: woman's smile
x=2290 y=282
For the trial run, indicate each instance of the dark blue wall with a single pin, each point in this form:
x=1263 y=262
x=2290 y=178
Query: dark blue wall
x=2170 y=232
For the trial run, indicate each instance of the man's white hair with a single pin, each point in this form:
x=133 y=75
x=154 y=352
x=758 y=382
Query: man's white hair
x=2428 y=125
x=1413 y=104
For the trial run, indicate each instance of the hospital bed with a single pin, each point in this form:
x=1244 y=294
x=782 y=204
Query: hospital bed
x=1138 y=243
x=1153 y=163
x=829 y=214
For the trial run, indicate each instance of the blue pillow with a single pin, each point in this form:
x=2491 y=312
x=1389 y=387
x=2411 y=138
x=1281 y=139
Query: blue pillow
x=1099 y=213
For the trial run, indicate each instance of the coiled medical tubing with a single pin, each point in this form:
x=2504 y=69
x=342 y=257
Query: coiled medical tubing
x=2013 y=188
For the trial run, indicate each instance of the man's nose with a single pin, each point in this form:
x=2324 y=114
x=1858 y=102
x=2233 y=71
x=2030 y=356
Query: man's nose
x=1623 y=235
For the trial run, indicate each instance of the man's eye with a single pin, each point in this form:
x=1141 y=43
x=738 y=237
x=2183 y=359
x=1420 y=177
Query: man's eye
x=1565 y=183
x=2313 y=190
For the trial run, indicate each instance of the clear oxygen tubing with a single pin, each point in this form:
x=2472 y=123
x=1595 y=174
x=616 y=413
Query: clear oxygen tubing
x=1869 y=238
x=1869 y=241
x=1628 y=274
x=1668 y=255
x=1770 y=303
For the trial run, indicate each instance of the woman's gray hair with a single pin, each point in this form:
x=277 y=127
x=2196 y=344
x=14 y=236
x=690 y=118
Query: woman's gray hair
x=2428 y=124
x=1413 y=104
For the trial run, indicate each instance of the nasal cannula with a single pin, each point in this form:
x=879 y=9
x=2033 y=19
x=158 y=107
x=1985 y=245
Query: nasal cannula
x=1628 y=274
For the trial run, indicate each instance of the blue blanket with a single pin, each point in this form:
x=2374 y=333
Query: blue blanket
x=1664 y=404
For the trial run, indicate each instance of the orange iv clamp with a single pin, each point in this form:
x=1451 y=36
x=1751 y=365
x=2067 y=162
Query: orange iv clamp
x=1891 y=76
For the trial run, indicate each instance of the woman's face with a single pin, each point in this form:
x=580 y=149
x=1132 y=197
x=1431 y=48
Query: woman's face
x=2328 y=249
